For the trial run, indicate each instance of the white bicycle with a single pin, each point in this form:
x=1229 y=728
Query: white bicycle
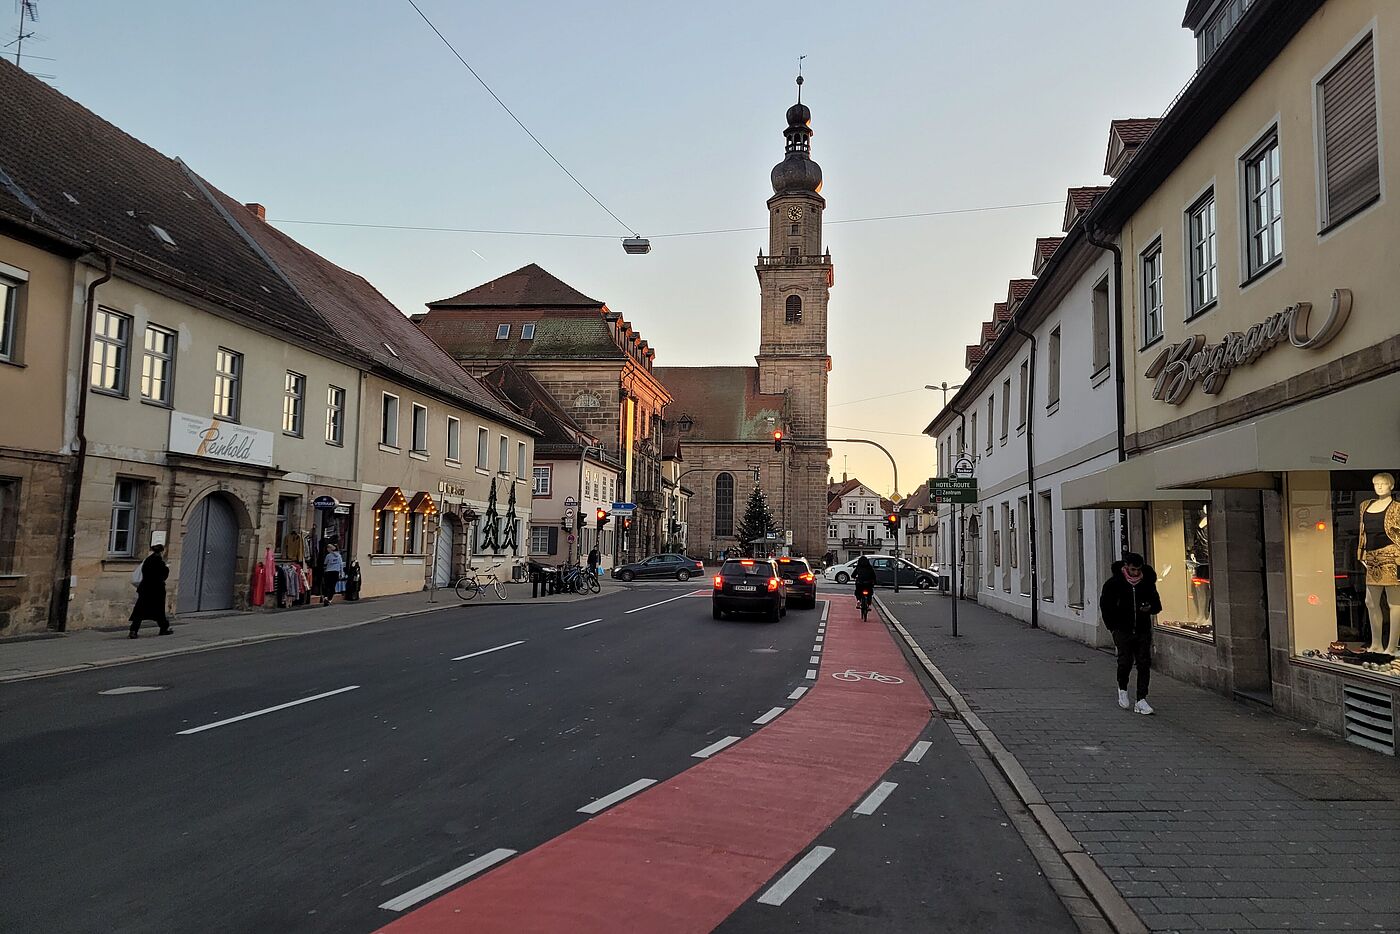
x=471 y=583
x=851 y=675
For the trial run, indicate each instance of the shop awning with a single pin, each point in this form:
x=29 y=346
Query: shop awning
x=1129 y=485
x=1354 y=429
x=391 y=500
x=423 y=503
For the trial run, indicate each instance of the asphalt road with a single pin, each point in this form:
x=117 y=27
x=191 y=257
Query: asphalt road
x=310 y=816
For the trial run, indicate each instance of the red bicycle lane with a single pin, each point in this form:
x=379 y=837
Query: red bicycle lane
x=685 y=854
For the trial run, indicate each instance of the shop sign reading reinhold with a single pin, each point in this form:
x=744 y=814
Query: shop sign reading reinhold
x=1178 y=368
x=204 y=436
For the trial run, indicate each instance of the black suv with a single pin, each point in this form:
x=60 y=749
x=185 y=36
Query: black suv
x=750 y=585
x=801 y=582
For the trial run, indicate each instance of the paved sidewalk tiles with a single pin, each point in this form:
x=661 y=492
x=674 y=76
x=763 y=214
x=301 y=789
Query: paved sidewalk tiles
x=1209 y=815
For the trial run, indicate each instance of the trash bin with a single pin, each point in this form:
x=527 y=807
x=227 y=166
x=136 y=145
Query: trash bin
x=945 y=583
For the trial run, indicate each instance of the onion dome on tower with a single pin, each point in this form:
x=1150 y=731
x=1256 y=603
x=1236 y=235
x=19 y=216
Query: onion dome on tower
x=797 y=171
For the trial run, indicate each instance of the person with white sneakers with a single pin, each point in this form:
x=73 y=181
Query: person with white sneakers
x=1128 y=603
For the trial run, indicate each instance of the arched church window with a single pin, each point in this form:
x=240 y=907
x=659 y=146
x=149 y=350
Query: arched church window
x=724 y=505
x=794 y=309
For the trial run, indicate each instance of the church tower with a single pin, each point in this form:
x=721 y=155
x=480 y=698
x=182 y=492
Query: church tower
x=795 y=278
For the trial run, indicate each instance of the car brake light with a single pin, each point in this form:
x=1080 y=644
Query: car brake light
x=773 y=583
x=747 y=562
x=719 y=581
x=808 y=577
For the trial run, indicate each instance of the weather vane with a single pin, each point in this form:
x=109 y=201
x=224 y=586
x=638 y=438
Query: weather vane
x=799 y=77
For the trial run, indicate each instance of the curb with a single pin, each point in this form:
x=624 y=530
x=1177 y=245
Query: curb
x=1110 y=901
x=210 y=646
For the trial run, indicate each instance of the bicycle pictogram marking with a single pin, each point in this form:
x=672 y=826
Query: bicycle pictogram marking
x=851 y=675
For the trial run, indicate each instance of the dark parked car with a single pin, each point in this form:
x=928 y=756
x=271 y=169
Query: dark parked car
x=750 y=585
x=909 y=573
x=675 y=567
x=801 y=582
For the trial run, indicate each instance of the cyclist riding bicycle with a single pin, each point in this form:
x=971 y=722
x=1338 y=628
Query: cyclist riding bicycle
x=864 y=576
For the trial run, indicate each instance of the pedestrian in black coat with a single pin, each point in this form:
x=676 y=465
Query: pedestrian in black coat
x=1128 y=602
x=150 y=593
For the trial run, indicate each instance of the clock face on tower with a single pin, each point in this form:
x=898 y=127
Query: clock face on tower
x=794 y=213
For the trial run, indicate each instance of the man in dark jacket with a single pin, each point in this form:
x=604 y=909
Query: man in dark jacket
x=150 y=593
x=1128 y=603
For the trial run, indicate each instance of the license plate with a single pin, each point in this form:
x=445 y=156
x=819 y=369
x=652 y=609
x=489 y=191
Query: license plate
x=745 y=587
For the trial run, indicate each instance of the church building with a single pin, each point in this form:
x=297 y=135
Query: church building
x=726 y=416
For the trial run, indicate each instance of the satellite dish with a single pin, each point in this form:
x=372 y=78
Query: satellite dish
x=636 y=245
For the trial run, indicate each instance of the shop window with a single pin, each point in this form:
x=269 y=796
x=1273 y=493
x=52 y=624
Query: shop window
x=385 y=524
x=1045 y=547
x=1180 y=554
x=126 y=502
x=9 y=523
x=288 y=526
x=335 y=415
x=1074 y=557
x=1344 y=554
x=1023 y=545
x=9 y=318
x=111 y=339
x=228 y=384
x=157 y=365
x=293 y=404
x=413 y=534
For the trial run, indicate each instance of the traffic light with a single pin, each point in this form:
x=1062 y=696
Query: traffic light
x=892 y=522
x=564 y=522
x=603 y=519
x=579 y=520
x=777 y=439
x=627 y=523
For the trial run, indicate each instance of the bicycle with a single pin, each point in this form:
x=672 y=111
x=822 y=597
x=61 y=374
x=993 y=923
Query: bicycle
x=852 y=675
x=863 y=597
x=575 y=579
x=470 y=584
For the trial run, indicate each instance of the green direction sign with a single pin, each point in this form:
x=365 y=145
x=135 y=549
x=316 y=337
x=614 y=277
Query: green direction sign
x=953 y=489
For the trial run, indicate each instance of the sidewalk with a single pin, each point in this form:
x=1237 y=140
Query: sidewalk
x=1207 y=816
x=92 y=648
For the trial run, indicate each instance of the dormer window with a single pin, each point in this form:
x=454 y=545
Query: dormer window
x=160 y=234
x=527 y=332
x=793 y=314
x=502 y=332
x=1218 y=26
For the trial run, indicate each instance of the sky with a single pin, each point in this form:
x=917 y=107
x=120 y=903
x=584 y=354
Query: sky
x=355 y=113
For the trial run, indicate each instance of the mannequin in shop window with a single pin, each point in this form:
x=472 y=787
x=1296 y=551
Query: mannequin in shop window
x=1379 y=553
x=1198 y=566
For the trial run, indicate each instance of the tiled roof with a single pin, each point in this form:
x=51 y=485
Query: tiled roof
x=989 y=330
x=75 y=174
x=834 y=494
x=723 y=402
x=529 y=286
x=975 y=353
x=535 y=402
x=361 y=316
x=1134 y=130
x=1016 y=290
x=1044 y=248
x=1080 y=200
x=559 y=335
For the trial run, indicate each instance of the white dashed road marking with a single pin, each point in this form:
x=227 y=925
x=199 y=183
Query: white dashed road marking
x=780 y=890
x=826 y=608
x=917 y=753
x=797 y=693
x=770 y=716
x=259 y=713
x=815 y=659
x=876 y=798
x=581 y=625
x=713 y=748
x=414 y=896
x=811 y=673
x=607 y=801
x=650 y=605
x=508 y=645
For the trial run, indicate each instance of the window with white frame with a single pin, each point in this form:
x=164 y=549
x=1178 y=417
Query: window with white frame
x=420 y=429
x=1263 y=189
x=502 y=331
x=483 y=446
x=1005 y=407
x=385 y=525
x=1052 y=378
x=527 y=332
x=1098 y=307
x=293 y=404
x=389 y=420
x=1025 y=392
x=1074 y=557
x=1200 y=235
x=126 y=500
x=1152 y=294
x=413 y=539
x=1045 y=547
x=832 y=531
x=335 y=415
x=454 y=439
x=111 y=339
x=870 y=509
x=972 y=435
x=9 y=317
x=1349 y=132
x=521 y=465
x=543 y=480
x=503 y=455
x=539 y=540
x=228 y=383
x=991 y=419
x=157 y=365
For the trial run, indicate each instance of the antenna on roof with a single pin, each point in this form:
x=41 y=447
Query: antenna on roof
x=30 y=9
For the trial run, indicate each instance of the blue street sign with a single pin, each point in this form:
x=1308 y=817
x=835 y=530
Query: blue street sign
x=624 y=508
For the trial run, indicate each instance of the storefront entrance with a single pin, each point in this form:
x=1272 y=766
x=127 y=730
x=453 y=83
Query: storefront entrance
x=442 y=558
x=208 y=557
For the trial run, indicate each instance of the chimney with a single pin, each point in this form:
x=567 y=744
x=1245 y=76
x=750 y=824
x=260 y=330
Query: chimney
x=257 y=210
x=844 y=478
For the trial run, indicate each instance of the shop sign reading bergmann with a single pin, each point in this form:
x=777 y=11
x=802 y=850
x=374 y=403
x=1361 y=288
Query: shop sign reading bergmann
x=1178 y=368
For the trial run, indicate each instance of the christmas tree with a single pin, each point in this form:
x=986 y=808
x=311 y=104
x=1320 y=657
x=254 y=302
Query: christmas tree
x=758 y=519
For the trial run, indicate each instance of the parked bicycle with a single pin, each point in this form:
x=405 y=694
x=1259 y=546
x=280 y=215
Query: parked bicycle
x=574 y=578
x=472 y=583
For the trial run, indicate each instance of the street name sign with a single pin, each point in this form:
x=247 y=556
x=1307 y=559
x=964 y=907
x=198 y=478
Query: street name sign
x=953 y=489
x=624 y=509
